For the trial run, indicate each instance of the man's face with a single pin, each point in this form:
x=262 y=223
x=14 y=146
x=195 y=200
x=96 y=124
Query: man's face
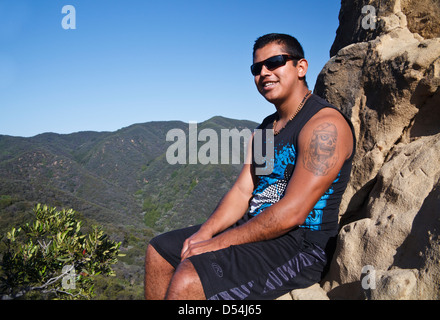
x=277 y=85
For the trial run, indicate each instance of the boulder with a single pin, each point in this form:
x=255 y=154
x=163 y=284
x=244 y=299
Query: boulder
x=386 y=79
x=401 y=230
x=314 y=292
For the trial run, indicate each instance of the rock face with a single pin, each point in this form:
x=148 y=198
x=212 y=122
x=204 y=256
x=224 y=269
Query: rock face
x=399 y=235
x=385 y=75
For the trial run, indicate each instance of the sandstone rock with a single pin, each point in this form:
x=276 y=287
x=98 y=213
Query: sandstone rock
x=396 y=284
x=401 y=228
x=388 y=86
x=314 y=292
x=387 y=80
x=422 y=17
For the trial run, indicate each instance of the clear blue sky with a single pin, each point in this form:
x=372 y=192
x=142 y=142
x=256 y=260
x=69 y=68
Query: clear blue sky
x=134 y=61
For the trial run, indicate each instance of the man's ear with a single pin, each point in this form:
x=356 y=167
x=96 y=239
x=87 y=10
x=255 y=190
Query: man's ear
x=302 y=66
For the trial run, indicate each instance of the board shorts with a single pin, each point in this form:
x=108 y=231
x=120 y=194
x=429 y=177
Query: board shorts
x=253 y=271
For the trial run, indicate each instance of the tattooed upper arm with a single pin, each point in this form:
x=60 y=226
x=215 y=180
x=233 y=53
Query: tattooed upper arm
x=320 y=154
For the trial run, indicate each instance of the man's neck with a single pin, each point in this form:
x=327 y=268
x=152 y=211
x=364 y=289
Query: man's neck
x=288 y=107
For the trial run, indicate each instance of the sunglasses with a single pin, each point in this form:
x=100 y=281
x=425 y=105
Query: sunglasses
x=272 y=63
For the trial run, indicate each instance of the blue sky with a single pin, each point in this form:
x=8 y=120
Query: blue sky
x=133 y=61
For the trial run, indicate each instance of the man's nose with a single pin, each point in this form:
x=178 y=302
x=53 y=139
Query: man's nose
x=265 y=71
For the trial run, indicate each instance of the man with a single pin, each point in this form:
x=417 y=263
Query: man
x=269 y=234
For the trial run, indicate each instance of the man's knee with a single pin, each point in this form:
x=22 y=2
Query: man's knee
x=185 y=283
x=155 y=260
x=151 y=253
x=158 y=273
x=151 y=256
x=185 y=274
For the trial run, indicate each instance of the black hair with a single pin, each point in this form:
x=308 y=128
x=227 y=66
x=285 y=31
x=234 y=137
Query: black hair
x=290 y=44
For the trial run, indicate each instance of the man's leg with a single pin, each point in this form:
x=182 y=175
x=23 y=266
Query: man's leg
x=162 y=258
x=158 y=273
x=185 y=284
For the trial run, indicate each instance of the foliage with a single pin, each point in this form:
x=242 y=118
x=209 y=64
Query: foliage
x=119 y=180
x=52 y=257
x=5 y=201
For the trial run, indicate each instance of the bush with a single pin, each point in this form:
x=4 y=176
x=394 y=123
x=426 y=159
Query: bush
x=51 y=257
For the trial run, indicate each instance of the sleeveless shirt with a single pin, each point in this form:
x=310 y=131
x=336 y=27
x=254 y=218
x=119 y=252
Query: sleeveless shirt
x=322 y=221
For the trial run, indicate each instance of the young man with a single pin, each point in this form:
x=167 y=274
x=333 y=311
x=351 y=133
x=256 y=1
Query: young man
x=269 y=234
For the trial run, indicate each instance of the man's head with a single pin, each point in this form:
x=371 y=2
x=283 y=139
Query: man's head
x=289 y=43
x=279 y=67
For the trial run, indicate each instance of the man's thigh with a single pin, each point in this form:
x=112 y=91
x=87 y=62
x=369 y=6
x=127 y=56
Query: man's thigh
x=260 y=270
x=169 y=245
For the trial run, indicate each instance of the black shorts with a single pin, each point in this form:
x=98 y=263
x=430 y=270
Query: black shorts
x=255 y=271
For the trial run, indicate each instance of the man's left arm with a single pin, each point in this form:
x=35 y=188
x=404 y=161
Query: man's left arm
x=324 y=144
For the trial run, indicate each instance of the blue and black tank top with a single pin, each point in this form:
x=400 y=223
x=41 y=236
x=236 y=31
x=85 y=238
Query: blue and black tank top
x=270 y=188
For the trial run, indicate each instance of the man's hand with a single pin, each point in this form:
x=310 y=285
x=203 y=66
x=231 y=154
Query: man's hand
x=199 y=243
x=197 y=237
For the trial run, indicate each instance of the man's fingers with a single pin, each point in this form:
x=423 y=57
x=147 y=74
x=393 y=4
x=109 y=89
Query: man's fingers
x=184 y=247
x=188 y=253
x=192 y=249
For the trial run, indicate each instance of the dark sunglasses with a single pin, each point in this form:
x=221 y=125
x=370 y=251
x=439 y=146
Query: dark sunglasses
x=272 y=63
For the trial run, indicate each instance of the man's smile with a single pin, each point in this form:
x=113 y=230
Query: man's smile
x=267 y=85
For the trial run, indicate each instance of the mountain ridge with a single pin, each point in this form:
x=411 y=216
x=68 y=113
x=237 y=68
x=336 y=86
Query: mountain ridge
x=118 y=179
x=114 y=162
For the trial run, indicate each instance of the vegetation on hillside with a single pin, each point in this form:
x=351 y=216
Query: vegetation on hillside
x=119 y=180
x=51 y=258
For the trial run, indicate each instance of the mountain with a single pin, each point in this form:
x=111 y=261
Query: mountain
x=121 y=180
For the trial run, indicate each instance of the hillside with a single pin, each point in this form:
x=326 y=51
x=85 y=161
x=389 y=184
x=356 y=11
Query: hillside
x=120 y=179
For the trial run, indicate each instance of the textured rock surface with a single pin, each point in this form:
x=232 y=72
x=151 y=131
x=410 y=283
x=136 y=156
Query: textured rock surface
x=314 y=292
x=400 y=230
x=389 y=88
x=386 y=79
x=422 y=17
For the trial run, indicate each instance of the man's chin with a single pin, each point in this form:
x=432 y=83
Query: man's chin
x=272 y=99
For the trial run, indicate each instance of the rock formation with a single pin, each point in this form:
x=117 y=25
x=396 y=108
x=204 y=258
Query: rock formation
x=385 y=75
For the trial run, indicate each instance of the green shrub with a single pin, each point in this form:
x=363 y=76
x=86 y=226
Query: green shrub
x=50 y=257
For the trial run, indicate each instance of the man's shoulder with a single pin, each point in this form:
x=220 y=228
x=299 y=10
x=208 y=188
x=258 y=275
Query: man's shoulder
x=267 y=121
x=329 y=123
x=328 y=111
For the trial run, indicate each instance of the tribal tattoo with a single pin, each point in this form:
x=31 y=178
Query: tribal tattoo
x=320 y=156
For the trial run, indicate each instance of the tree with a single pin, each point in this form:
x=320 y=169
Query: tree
x=51 y=258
